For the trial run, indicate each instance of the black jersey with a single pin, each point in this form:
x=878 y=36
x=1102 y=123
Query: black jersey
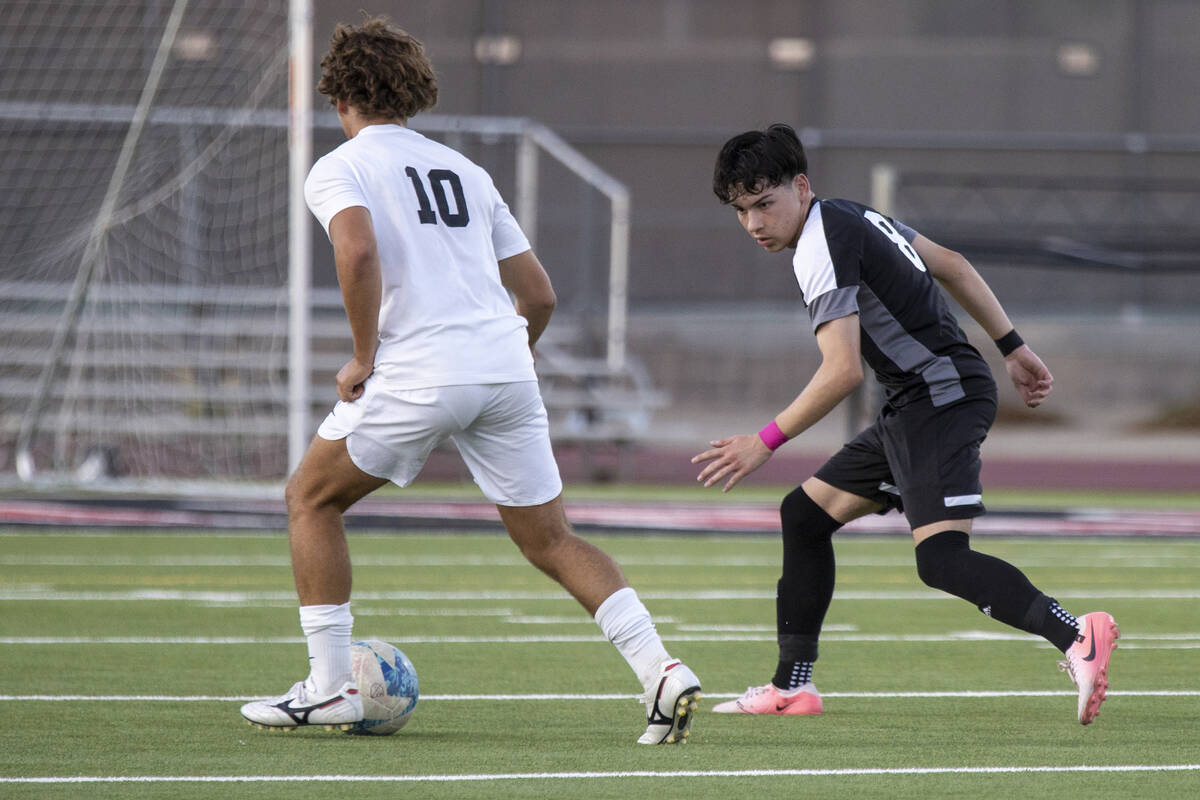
x=852 y=259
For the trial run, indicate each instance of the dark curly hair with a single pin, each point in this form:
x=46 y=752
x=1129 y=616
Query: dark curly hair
x=379 y=69
x=756 y=160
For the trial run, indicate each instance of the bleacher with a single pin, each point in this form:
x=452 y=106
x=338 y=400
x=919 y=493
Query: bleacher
x=154 y=372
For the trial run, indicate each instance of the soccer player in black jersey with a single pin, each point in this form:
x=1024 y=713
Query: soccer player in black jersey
x=869 y=284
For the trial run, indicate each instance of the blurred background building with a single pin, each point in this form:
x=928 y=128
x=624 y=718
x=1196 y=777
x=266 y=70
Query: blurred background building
x=1056 y=144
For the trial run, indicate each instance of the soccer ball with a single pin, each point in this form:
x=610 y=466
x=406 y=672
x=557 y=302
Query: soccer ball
x=387 y=682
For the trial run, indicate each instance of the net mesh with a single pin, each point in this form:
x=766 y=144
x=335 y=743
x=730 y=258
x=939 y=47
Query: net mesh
x=174 y=363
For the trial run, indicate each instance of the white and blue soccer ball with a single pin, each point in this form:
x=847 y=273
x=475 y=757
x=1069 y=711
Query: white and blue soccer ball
x=387 y=682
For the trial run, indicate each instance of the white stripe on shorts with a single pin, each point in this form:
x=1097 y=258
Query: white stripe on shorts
x=963 y=500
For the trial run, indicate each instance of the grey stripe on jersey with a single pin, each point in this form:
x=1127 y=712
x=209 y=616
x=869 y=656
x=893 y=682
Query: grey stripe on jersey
x=833 y=304
x=939 y=372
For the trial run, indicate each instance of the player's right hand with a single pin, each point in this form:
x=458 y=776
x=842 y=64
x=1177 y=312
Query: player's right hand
x=733 y=457
x=350 y=379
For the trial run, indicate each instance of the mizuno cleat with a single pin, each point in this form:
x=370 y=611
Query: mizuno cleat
x=303 y=706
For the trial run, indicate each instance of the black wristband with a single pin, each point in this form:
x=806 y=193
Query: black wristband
x=1009 y=342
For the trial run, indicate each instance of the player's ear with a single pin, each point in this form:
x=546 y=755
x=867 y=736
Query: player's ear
x=800 y=183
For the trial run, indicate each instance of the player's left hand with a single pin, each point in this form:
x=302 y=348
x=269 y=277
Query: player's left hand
x=733 y=457
x=1029 y=375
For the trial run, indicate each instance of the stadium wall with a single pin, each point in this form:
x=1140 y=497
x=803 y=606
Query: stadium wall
x=649 y=90
x=968 y=90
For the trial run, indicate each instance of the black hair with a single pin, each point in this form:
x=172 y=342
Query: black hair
x=756 y=160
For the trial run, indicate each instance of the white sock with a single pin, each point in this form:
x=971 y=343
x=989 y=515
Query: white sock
x=627 y=624
x=328 y=631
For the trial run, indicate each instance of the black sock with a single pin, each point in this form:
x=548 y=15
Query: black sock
x=792 y=674
x=1048 y=619
x=806 y=587
x=946 y=561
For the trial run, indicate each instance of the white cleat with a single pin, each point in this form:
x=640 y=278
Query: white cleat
x=303 y=706
x=671 y=703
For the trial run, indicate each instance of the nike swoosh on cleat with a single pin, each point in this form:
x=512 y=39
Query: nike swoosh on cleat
x=656 y=716
x=1092 y=635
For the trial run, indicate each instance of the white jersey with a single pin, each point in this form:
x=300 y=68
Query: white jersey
x=440 y=226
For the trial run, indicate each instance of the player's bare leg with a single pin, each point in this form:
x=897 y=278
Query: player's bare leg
x=324 y=485
x=594 y=579
x=546 y=539
x=838 y=503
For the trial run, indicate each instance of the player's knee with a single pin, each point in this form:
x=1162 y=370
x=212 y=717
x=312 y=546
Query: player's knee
x=296 y=497
x=303 y=496
x=803 y=521
x=937 y=557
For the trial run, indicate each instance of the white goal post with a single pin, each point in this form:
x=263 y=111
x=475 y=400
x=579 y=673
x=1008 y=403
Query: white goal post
x=157 y=314
x=300 y=50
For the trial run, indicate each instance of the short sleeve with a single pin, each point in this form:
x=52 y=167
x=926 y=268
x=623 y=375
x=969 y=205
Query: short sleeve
x=908 y=233
x=507 y=237
x=834 y=304
x=331 y=187
x=826 y=265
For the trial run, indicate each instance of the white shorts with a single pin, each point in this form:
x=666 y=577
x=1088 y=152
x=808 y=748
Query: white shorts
x=501 y=431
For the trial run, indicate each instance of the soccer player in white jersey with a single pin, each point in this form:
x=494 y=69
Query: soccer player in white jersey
x=871 y=287
x=426 y=253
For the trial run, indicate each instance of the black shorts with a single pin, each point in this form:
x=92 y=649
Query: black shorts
x=920 y=460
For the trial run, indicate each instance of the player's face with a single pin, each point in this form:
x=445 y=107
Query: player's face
x=775 y=215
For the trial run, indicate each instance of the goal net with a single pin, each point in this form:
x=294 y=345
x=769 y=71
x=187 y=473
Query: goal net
x=143 y=227
x=146 y=323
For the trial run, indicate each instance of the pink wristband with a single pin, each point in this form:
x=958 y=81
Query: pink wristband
x=771 y=436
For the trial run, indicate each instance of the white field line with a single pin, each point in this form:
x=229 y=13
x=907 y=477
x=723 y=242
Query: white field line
x=559 y=776
x=436 y=698
x=1128 y=642
x=1104 y=561
x=41 y=592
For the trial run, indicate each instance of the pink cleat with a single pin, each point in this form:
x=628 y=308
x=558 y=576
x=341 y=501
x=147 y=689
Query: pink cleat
x=1087 y=662
x=770 y=699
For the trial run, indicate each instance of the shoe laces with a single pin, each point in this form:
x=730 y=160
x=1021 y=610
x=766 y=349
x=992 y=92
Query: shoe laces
x=1067 y=665
x=300 y=692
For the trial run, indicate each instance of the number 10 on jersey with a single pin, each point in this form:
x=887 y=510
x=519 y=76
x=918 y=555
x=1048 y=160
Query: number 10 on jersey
x=438 y=180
